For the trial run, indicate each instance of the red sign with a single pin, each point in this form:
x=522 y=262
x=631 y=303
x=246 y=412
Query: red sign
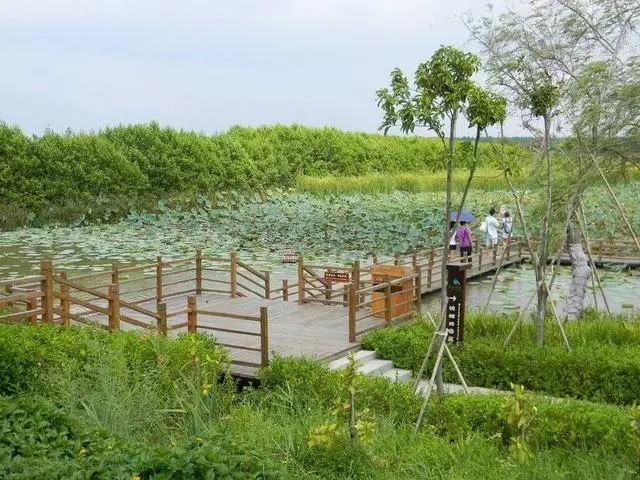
x=336 y=276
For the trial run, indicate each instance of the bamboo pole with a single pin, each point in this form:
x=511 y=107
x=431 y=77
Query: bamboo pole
x=618 y=206
x=595 y=275
x=436 y=368
x=450 y=357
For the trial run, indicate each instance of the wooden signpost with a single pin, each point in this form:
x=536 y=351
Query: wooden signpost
x=456 y=283
x=289 y=256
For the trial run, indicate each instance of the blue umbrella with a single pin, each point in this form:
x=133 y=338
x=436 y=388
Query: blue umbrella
x=465 y=216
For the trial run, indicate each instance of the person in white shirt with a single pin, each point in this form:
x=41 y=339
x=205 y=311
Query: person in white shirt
x=492 y=227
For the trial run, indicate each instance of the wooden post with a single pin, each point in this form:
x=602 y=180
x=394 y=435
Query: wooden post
x=430 y=268
x=300 y=279
x=375 y=260
x=192 y=314
x=264 y=337
x=65 y=306
x=418 y=283
x=480 y=259
x=414 y=260
x=355 y=274
x=233 y=279
x=198 y=271
x=46 y=285
x=352 y=313
x=115 y=272
x=159 y=279
x=519 y=249
x=267 y=285
x=328 y=289
x=387 y=299
x=32 y=304
x=345 y=294
x=285 y=290
x=114 y=306
x=495 y=255
x=508 y=249
x=396 y=259
x=162 y=318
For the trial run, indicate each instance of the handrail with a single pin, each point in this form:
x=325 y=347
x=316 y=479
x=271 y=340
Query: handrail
x=261 y=276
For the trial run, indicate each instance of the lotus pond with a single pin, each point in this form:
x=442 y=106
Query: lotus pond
x=325 y=228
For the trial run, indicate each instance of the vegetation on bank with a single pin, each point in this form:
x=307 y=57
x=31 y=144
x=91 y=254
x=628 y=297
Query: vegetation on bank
x=96 y=404
x=608 y=346
x=103 y=175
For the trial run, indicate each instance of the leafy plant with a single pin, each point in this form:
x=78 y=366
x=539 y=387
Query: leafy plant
x=517 y=414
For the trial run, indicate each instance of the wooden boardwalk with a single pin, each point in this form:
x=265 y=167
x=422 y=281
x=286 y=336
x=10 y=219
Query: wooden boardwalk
x=321 y=312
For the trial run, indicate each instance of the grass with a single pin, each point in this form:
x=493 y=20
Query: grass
x=484 y=180
x=116 y=385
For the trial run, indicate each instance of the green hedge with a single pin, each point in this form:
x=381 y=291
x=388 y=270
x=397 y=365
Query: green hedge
x=560 y=423
x=31 y=356
x=604 y=364
x=101 y=176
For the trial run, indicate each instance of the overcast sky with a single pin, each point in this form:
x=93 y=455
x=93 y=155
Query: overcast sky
x=207 y=65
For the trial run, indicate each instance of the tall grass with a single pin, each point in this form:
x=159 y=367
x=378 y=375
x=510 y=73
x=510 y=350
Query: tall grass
x=485 y=179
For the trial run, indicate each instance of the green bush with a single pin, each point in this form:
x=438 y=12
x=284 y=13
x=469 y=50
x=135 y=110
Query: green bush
x=604 y=363
x=40 y=441
x=31 y=358
x=560 y=423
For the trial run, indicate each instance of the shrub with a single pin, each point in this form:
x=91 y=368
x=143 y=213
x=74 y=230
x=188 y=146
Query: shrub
x=604 y=363
x=560 y=423
x=40 y=441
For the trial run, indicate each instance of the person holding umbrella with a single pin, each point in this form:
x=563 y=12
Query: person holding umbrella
x=463 y=236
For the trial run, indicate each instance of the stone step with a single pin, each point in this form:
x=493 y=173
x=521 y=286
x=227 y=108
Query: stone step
x=375 y=367
x=456 y=388
x=362 y=356
x=398 y=375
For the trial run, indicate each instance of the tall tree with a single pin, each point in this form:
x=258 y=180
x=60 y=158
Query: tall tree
x=573 y=64
x=439 y=95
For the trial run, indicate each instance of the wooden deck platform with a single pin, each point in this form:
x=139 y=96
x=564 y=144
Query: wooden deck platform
x=320 y=312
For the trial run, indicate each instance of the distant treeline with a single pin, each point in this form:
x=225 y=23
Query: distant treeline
x=58 y=177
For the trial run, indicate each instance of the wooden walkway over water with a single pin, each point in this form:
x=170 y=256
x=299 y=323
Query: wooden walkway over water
x=321 y=311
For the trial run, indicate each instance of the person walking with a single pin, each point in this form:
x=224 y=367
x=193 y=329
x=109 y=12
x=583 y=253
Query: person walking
x=453 y=245
x=464 y=240
x=507 y=226
x=491 y=227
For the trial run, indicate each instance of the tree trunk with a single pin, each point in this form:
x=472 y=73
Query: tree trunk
x=445 y=241
x=472 y=172
x=581 y=272
x=541 y=264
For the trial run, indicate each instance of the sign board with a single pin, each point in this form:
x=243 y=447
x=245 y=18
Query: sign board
x=336 y=276
x=288 y=256
x=456 y=283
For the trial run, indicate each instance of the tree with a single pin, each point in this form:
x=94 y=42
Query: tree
x=573 y=64
x=442 y=86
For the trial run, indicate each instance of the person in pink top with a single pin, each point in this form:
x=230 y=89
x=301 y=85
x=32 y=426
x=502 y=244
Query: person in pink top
x=464 y=240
